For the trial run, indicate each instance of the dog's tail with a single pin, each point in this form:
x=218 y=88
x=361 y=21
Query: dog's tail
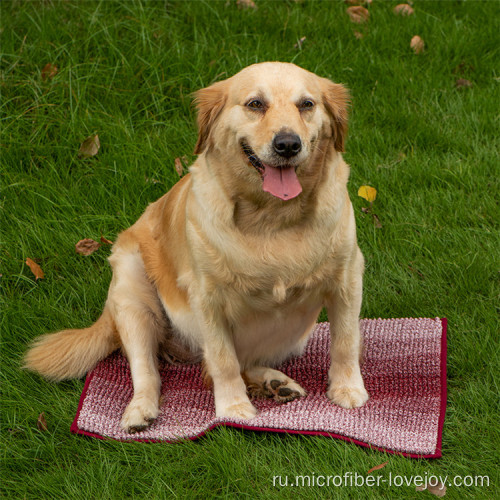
x=72 y=353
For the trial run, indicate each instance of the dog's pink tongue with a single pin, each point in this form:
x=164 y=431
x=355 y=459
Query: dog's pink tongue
x=281 y=182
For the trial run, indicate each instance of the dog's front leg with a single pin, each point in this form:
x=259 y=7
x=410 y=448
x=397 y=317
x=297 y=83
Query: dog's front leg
x=223 y=367
x=346 y=386
x=139 y=322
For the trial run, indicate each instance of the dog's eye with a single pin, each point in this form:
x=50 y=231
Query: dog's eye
x=307 y=104
x=255 y=104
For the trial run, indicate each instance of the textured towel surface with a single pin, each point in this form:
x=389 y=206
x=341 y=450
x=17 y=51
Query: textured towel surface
x=404 y=370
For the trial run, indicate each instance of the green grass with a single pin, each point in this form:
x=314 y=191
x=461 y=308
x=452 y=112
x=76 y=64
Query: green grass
x=127 y=71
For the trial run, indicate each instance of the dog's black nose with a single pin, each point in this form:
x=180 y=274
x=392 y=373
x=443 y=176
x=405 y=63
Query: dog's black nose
x=287 y=145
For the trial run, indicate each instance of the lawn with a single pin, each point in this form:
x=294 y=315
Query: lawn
x=126 y=71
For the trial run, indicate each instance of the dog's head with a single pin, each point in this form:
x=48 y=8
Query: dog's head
x=268 y=121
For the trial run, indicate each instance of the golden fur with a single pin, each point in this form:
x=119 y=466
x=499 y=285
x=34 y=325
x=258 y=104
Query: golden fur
x=233 y=274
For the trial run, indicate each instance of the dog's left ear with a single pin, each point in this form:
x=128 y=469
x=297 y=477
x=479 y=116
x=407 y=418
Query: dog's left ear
x=209 y=102
x=336 y=100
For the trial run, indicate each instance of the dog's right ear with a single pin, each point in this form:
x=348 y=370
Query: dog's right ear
x=209 y=102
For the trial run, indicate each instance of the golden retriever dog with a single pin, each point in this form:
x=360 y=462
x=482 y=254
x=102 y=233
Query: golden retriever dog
x=234 y=264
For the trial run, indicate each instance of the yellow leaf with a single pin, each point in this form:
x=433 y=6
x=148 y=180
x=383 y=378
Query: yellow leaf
x=368 y=193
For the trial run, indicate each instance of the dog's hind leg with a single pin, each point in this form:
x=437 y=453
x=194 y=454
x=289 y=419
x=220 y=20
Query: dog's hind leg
x=263 y=382
x=140 y=322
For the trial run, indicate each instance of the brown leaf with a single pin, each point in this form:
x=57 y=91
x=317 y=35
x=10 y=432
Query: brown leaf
x=403 y=9
x=106 y=241
x=377 y=467
x=358 y=35
x=35 y=269
x=417 y=44
x=438 y=489
x=41 y=423
x=49 y=71
x=358 y=14
x=299 y=43
x=246 y=4
x=87 y=246
x=89 y=147
x=376 y=221
x=179 y=167
x=462 y=82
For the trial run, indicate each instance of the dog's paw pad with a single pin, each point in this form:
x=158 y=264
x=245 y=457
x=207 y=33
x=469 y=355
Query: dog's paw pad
x=284 y=391
x=137 y=428
x=281 y=390
x=276 y=383
x=286 y=394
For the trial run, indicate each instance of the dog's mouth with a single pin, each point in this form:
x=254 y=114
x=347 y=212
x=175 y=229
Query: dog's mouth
x=280 y=181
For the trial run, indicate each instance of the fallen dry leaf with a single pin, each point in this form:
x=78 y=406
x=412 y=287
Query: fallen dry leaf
x=358 y=14
x=49 y=71
x=299 y=43
x=358 y=35
x=106 y=241
x=35 y=269
x=89 y=147
x=403 y=9
x=438 y=489
x=179 y=167
x=358 y=2
x=462 y=82
x=417 y=44
x=246 y=4
x=368 y=193
x=376 y=221
x=41 y=423
x=87 y=246
x=377 y=467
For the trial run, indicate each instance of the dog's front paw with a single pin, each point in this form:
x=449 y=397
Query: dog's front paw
x=139 y=414
x=244 y=410
x=347 y=396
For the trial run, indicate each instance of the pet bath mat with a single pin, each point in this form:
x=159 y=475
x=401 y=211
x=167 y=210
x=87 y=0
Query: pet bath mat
x=404 y=370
